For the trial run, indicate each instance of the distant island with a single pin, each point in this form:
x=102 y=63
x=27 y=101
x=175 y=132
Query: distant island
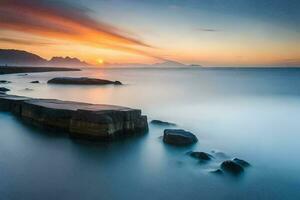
x=12 y=57
x=167 y=64
x=173 y=64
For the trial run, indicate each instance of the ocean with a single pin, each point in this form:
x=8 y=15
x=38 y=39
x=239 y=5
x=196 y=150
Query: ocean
x=251 y=114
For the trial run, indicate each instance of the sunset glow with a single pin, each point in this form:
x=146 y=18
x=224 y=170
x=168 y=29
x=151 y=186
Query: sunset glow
x=100 y=61
x=190 y=33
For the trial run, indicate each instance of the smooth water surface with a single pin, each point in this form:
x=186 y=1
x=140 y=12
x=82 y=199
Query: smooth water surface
x=252 y=114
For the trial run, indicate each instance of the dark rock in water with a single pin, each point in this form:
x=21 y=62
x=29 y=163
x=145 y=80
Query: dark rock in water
x=82 y=81
x=3 y=89
x=28 y=89
x=232 y=167
x=34 y=82
x=162 y=123
x=83 y=120
x=217 y=171
x=4 y=82
x=241 y=162
x=201 y=155
x=179 y=137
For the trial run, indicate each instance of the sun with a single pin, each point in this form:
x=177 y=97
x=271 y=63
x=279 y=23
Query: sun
x=100 y=61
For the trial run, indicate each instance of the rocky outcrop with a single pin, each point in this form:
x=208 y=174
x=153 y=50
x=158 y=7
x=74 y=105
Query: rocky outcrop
x=82 y=81
x=162 y=123
x=179 y=137
x=201 y=155
x=232 y=167
x=82 y=120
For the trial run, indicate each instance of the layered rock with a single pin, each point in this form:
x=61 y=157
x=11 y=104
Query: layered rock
x=82 y=81
x=79 y=119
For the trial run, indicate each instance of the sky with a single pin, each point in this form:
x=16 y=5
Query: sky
x=206 y=32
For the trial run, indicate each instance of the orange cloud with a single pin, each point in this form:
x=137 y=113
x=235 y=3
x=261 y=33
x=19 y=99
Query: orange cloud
x=66 y=22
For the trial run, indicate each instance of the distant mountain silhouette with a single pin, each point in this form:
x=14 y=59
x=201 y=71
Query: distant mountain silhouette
x=12 y=57
x=60 y=61
x=173 y=64
x=17 y=57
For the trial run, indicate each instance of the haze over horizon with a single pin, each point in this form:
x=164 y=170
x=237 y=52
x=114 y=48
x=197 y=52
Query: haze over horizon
x=206 y=32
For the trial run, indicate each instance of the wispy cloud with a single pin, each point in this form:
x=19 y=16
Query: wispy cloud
x=22 y=42
x=207 y=30
x=60 y=20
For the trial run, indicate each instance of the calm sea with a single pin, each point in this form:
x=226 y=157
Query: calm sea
x=252 y=114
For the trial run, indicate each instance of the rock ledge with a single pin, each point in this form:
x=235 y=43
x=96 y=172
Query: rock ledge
x=79 y=119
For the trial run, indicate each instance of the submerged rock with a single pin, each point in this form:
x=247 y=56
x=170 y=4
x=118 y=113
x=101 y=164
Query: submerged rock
x=34 y=82
x=4 y=82
x=179 y=137
x=201 y=156
x=241 y=162
x=217 y=171
x=27 y=89
x=162 y=123
x=3 y=89
x=220 y=154
x=82 y=81
x=232 y=167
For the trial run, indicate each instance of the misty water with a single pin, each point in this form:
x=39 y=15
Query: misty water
x=252 y=114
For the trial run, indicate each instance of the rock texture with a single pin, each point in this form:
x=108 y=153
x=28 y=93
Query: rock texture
x=179 y=137
x=82 y=81
x=82 y=120
x=232 y=167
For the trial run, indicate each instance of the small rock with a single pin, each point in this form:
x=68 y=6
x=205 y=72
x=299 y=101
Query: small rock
x=179 y=137
x=82 y=81
x=4 y=82
x=201 y=155
x=34 y=82
x=3 y=89
x=162 y=123
x=27 y=89
x=118 y=83
x=217 y=171
x=241 y=162
x=232 y=167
